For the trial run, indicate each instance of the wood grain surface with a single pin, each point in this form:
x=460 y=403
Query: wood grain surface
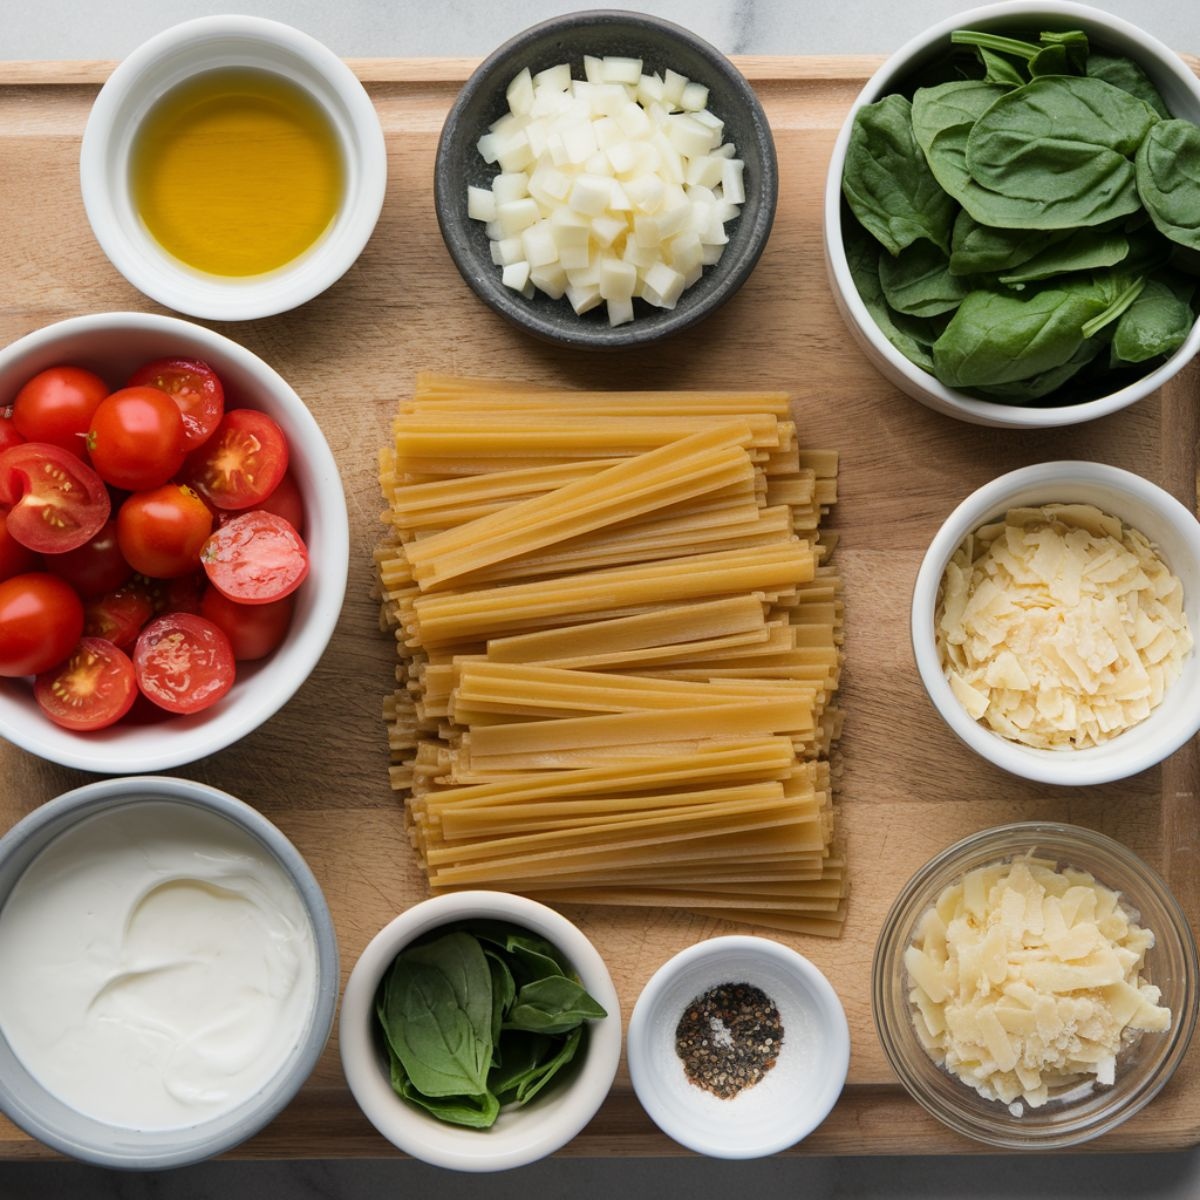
x=318 y=769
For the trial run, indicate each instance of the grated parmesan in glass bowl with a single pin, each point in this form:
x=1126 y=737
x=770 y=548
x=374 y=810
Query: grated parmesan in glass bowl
x=1053 y=616
x=1035 y=985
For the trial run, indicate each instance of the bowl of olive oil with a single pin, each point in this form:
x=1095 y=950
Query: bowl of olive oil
x=233 y=168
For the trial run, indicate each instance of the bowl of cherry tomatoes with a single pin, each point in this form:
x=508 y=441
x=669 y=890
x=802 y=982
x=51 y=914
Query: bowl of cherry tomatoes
x=173 y=542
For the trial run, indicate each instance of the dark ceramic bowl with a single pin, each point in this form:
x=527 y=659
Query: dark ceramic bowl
x=660 y=45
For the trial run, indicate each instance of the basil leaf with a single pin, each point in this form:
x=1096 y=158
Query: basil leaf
x=919 y=283
x=553 y=1005
x=1084 y=250
x=862 y=256
x=1125 y=74
x=544 y=1059
x=888 y=183
x=476 y=1112
x=997 y=337
x=1168 y=180
x=1026 y=391
x=984 y=250
x=1056 y=153
x=1156 y=324
x=504 y=991
x=431 y=1034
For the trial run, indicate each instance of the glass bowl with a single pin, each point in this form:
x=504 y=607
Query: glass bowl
x=1143 y=1067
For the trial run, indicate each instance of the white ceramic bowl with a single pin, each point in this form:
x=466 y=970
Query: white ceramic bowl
x=791 y=1099
x=1140 y=504
x=520 y=1135
x=114 y=345
x=27 y=1102
x=1178 y=86
x=162 y=63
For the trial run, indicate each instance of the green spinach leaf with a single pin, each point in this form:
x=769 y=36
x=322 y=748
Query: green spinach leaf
x=888 y=183
x=1056 y=153
x=985 y=250
x=1128 y=292
x=1074 y=43
x=552 y=1005
x=1084 y=250
x=997 y=43
x=1027 y=391
x=999 y=70
x=1168 y=180
x=919 y=282
x=1156 y=324
x=1125 y=74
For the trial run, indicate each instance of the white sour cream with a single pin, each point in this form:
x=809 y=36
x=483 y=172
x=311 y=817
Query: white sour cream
x=157 y=966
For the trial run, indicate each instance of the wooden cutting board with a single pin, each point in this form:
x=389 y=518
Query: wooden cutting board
x=318 y=769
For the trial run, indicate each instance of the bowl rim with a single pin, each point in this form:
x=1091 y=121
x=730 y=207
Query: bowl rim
x=424 y=1137
x=1077 y=768
x=835 y=1030
x=71 y=749
x=917 y=383
x=588 y=335
x=236 y=298
x=65 y=812
x=1010 y=840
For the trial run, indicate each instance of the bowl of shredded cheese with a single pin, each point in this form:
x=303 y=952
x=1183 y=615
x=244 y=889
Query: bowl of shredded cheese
x=1035 y=985
x=1054 y=614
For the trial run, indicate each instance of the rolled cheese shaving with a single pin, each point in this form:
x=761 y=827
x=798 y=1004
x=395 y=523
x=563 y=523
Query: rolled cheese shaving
x=1060 y=627
x=1026 y=980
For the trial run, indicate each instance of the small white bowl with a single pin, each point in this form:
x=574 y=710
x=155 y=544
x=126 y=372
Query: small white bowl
x=520 y=1135
x=114 y=345
x=1180 y=90
x=791 y=1099
x=27 y=1102
x=161 y=64
x=1140 y=504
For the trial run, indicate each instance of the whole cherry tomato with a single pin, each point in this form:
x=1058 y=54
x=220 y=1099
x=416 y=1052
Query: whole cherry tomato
x=8 y=433
x=15 y=559
x=57 y=501
x=254 y=630
x=96 y=567
x=136 y=439
x=162 y=531
x=41 y=620
x=242 y=463
x=194 y=387
x=57 y=405
x=93 y=688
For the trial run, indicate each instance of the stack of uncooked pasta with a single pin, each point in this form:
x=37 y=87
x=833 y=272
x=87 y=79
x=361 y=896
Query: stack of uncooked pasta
x=619 y=641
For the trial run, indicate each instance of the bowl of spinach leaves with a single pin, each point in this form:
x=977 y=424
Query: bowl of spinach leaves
x=480 y=1031
x=1012 y=215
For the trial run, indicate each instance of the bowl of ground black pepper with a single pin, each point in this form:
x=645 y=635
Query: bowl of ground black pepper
x=738 y=1047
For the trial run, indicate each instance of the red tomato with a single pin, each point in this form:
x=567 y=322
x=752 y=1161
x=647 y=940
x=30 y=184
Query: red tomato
x=182 y=594
x=183 y=662
x=57 y=501
x=8 y=433
x=119 y=616
x=242 y=463
x=286 y=502
x=254 y=630
x=91 y=690
x=162 y=531
x=41 y=619
x=56 y=406
x=194 y=387
x=255 y=558
x=136 y=439
x=96 y=567
x=15 y=559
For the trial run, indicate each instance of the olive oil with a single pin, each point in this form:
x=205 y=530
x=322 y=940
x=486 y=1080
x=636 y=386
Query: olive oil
x=237 y=172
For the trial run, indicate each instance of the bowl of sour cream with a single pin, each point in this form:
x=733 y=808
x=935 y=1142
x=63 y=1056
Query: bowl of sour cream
x=169 y=977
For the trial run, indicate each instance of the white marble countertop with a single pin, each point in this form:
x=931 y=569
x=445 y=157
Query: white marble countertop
x=89 y=29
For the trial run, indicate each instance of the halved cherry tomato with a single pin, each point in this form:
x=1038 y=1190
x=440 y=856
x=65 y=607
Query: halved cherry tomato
x=91 y=689
x=162 y=531
x=15 y=559
x=255 y=558
x=136 y=439
x=57 y=501
x=120 y=616
x=8 y=433
x=194 y=387
x=41 y=619
x=242 y=463
x=96 y=567
x=254 y=630
x=57 y=405
x=183 y=662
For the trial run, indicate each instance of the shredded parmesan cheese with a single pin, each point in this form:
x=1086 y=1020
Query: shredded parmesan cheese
x=1060 y=627
x=1026 y=981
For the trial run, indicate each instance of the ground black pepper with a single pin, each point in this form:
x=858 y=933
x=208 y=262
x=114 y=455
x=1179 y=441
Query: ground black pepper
x=729 y=1038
